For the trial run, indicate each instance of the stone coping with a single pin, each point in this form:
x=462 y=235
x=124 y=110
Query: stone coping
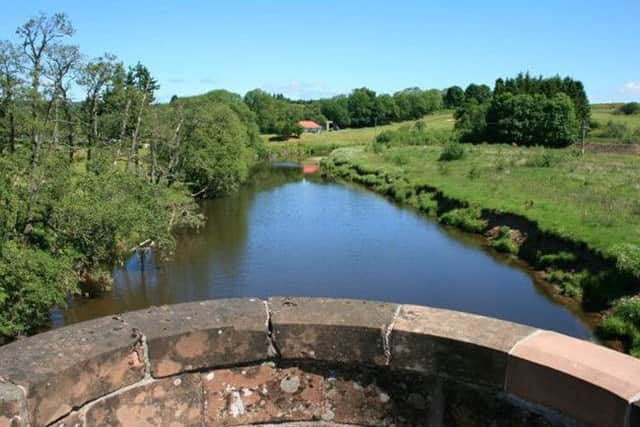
x=89 y=373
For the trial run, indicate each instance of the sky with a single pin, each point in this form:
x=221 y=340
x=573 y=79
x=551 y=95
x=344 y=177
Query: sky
x=311 y=49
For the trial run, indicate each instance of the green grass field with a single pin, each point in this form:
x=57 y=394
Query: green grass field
x=605 y=113
x=323 y=143
x=593 y=199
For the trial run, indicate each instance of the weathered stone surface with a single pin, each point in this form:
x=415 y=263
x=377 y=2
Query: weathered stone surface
x=67 y=367
x=459 y=345
x=261 y=394
x=171 y=402
x=591 y=383
x=11 y=406
x=351 y=401
x=331 y=329
x=206 y=334
x=74 y=419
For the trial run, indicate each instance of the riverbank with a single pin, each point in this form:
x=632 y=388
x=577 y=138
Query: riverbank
x=574 y=219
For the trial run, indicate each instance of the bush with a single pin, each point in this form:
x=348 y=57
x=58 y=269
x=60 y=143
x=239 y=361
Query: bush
x=468 y=219
x=503 y=242
x=560 y=259
x=615 y=129
x=624 y=323
x=453 y=150
x=571 y=284
x=627 y=258
x=629 y=108
x=613 y=328
x=543 y=159
x=31 y=282
x=416 y=134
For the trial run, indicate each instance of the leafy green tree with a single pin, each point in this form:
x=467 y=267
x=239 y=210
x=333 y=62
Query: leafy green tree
x=630 y=108
x=387 y=110
x=215 y=150
x=454 y=97
x=362 y=107
x=532 y=120
x=11 y=69
x=336 y=109
x=471 y=121
x=481 y=93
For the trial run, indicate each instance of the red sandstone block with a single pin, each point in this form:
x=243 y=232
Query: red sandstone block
x=67 y=367
x=74 y=419
x=206 y=334
x=588 y=382
x=175 y=401
x=331 y=329
x=11 y=405
x=349 y=401
x=462 y=346
x=260 y=394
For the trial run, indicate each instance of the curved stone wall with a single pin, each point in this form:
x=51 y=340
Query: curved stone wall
x=312 y=361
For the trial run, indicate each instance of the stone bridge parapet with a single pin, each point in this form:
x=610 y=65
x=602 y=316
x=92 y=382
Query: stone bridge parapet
x=312 y=361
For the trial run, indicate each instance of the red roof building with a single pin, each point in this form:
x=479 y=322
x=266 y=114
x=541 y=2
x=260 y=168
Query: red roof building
x=310 y=126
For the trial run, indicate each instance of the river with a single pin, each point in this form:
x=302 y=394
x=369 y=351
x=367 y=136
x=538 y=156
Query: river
x=286 y=233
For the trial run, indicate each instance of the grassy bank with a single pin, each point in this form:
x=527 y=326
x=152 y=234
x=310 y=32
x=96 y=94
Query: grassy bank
x=324 y=143
x=575 y=219
x=610 y=126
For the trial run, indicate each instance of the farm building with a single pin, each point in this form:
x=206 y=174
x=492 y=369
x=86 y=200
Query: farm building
x=310 y=126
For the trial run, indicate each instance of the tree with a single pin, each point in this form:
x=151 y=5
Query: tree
x=527 y=119
x=336 y=109
x=11 y=68
x=144 y=85
x=95 y=75
x=38 y=36
x=215 y=150
x=454 y=97
x=387 y=110
x=481 y=93
x=630 y=108
x=362 y=107
x=471 y=121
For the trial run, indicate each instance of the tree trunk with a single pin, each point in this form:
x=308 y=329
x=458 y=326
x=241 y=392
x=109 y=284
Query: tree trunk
x=123 y=131
x=174 y=161
x=135 y=151
x=93 y=139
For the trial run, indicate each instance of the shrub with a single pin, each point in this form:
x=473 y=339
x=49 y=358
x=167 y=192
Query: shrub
x=632 y=137
x=560 y=259
x=624 y=323
x=627 y=258
x=613 y=327
x=543 y=159
x=503 y=242
x=571 y=284
x=468 y=219
x=630 y=108
x=615 y=129
x=453 y=150
x=416 y=134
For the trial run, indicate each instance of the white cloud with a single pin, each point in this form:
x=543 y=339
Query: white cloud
x=631 y=88
x=296 y=89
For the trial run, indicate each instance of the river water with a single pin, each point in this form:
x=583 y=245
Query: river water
x=286 y=233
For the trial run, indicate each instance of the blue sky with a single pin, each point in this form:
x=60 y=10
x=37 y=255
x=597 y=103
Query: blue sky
x=311 y=49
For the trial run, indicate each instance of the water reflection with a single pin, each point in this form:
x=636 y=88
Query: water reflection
x=288 y=234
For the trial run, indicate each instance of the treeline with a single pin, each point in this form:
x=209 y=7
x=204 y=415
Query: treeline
x=83 y=182
x=361 y=108
x=526 y=110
